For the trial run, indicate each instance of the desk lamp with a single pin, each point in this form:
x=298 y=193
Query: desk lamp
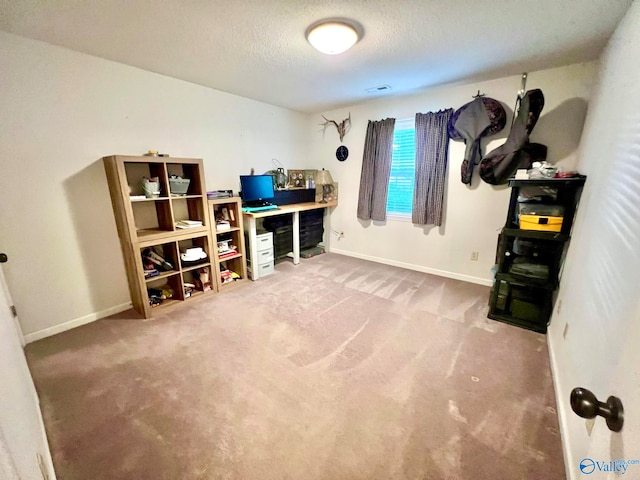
x=323 y=177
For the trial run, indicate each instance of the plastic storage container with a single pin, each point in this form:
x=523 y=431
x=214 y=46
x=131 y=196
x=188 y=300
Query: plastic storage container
x=540 y=216
x=179 y=186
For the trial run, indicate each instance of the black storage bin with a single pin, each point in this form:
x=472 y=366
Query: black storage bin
x=282 y=228
x=282 y=242
x=311 y=228
x=311 y=231
x=528 y=304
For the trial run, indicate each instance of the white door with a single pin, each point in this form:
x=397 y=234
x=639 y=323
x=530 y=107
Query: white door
x=24 y=452
x=616 y=454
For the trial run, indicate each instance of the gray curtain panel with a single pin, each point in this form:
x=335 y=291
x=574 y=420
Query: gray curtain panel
x=376 y=167
x=432 y=151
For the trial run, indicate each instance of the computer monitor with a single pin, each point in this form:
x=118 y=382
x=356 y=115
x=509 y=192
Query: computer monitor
x=256 y=189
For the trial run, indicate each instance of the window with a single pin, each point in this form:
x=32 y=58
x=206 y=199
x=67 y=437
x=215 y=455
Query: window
x=403 y=170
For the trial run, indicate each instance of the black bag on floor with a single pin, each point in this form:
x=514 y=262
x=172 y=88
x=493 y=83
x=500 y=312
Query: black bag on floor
x=500 y=164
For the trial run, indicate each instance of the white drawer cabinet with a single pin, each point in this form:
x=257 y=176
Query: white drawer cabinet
x=264 y=269
x=264 y=258
x=264 y=241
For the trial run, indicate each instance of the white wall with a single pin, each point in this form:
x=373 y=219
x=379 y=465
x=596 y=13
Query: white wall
x=473 y=215
x=60 y=112
x=595 y=330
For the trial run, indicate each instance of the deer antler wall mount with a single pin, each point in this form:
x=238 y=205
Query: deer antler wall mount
x=343 y=127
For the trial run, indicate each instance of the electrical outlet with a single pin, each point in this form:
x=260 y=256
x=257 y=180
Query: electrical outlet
x=474 y=256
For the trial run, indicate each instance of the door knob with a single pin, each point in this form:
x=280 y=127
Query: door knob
x=3 y=258
x=586 y=405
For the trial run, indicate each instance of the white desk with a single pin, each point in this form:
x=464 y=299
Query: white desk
x=249 y=219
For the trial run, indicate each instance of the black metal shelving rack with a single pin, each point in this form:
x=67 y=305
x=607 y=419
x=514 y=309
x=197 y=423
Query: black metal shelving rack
x=526 y=301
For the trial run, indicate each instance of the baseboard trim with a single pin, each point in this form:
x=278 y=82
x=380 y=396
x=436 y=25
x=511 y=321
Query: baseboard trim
x=418 y=268
x=63 y=327
x=560 y=406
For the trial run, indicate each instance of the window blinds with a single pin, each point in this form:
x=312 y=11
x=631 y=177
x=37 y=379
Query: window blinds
x=402 y=177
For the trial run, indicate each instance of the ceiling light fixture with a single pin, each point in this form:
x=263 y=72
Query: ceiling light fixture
x=332 y=36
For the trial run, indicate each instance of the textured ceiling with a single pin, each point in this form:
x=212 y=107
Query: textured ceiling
x=257 y=49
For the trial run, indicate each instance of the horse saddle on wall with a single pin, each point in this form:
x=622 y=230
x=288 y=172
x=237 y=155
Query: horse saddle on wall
x=501 y=163
x=482 y=117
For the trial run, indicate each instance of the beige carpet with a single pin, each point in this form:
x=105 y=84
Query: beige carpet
x=336 y=368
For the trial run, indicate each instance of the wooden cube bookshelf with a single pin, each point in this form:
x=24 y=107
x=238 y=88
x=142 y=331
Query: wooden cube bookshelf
x=228 y=210
x=152 y=224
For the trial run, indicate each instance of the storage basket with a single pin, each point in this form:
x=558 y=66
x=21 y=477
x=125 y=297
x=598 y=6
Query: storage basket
x=150 y=189
x=542 y=209
x=179 y=186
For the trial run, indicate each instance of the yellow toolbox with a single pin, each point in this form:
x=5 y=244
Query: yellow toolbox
x=538 y=222
x=547 y=218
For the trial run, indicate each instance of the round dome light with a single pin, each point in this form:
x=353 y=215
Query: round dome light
x=332 y=38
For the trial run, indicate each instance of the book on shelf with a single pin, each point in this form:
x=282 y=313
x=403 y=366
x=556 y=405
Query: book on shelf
x=226 y=279
x=228 y=276
x=188 y=223
x=214 y=194
x=228 y=253
x=151 y=273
